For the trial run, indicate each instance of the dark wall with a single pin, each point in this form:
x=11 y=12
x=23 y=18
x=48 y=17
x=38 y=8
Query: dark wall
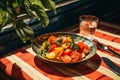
x=106 y=10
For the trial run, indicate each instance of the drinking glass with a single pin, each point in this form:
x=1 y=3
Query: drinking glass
x=88 y=25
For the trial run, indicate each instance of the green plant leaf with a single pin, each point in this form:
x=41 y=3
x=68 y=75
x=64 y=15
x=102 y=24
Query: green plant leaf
x=40 y=14
x=10 y=9
x=49 y=4
x=38 y=9
x=24 y=31
x=16 y=6
x=4 y=18
x=29 y=11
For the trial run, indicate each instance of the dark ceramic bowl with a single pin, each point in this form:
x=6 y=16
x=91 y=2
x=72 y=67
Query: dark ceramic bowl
x=36 y=44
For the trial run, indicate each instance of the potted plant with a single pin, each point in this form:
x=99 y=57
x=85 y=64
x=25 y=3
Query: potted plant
x=10 y=9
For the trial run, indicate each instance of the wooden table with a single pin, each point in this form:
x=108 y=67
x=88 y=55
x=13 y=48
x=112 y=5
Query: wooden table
x=23 y=64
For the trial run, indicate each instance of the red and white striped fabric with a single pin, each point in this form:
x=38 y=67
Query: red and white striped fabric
x=23 y=64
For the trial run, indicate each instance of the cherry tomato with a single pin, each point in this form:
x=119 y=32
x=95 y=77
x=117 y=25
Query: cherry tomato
x=67 y=51
x=64 y=39
x=52 y=47
x=66 y=58
x=81 y=45
x=52 y=39
x=69 y=39
x=86 y=49
x=75 y=56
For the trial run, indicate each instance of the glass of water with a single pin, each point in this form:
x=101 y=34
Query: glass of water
x=88 y=25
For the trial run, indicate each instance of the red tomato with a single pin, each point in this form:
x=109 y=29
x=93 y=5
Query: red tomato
x=66 y=58
x=67 y=51
x=81 y=45
x=86 y=49
x=52 y=39
x=75 y=56
x=52 y=47
x=64 y=39
x=69 y=39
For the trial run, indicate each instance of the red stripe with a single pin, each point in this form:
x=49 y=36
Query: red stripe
x=117 y=40
x=109 y=29
x=40 y=66
x=13 y=70
x=107 y=37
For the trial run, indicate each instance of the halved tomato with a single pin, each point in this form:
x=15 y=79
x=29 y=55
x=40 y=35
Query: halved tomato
x=67 y=51
x=75 y=55
x=66 y=58
x=52 y=47
x=52 y=39
x=64 y=39
x=81 y=45
x=86 y=50
x=69 y=39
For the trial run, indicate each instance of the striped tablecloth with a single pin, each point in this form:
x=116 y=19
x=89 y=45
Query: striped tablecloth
x=23 y=64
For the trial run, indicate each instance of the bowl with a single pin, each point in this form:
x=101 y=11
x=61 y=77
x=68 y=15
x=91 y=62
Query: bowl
x=37 y=43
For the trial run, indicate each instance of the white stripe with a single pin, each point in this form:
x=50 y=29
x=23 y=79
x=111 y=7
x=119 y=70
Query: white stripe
x=29 y=49
x=114 y=59
x=110 y=43
x=103 y=70
x=33 y=73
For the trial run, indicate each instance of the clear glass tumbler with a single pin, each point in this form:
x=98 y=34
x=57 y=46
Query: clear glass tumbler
x=88 y=25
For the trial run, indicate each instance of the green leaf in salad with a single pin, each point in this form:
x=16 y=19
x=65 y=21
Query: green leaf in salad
x=74 y=46
x=44 y=48
x=44 y=52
